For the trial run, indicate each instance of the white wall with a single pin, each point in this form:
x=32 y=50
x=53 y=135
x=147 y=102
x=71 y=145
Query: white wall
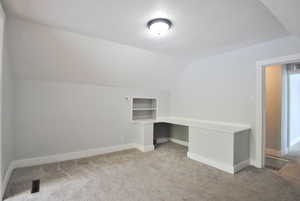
x=294 y=108
x=70 y=90
x=273 y=81
x=61 y=117
x=223 y=87
x=7 y=104
x=218 y=88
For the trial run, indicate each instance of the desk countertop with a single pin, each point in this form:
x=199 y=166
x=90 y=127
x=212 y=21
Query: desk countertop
x=209 y=125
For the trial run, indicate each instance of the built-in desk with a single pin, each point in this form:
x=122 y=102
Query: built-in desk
x=218 y=144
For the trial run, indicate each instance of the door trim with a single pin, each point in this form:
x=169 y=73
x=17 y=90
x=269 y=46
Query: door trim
x=260 y=103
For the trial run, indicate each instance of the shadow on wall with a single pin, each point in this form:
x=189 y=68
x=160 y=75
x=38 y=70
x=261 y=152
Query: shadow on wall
x=164 y=131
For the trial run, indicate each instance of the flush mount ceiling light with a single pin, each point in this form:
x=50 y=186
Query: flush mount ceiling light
x=159 y=26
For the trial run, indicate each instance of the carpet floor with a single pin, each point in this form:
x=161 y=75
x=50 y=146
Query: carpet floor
x=275 y=163
x=165 y=174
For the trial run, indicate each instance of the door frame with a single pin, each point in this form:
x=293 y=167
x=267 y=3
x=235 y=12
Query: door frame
x=260 y=103
x=2 y=21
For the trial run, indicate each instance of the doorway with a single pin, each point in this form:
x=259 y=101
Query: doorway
x=276 y=105
x=282 y=114
x=260 y=131
x=293 y=111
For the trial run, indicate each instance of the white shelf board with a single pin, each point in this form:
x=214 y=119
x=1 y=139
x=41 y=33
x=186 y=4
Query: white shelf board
x=136 y=109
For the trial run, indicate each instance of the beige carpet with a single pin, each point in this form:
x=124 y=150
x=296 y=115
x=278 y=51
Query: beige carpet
x=275 y=163
x=165 y=174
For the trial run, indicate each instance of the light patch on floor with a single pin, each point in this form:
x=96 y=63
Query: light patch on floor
x=294 y=153
x=275 y=163
x=165 y=174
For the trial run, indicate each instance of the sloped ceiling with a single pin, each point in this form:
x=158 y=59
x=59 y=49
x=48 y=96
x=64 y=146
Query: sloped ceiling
x=39 y=52
x=201 y=27
x=287 y=12
x=106 y=42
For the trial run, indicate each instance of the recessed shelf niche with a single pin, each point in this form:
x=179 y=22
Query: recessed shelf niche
x=144 y=108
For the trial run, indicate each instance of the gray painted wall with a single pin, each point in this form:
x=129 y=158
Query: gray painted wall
x=223 y=87
x=161 y=130
x=178 y=132
x=49 y=114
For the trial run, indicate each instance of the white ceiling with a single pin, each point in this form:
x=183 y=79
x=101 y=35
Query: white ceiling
x=201 y=27
x=287 y=12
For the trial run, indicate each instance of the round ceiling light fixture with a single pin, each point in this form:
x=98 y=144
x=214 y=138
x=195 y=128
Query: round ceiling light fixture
x=159 y=26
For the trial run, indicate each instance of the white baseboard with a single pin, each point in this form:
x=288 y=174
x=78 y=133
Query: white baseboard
x=273 y=152
x=69 y=156
x=77 y=155
x=181 y=142
x=210 y=162
x=8 y=173
x=225 y=167
x=241 y=165
x=255 y=163
x=144 y=148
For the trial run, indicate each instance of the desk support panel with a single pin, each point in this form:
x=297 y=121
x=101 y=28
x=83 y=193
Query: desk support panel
x=220 y=145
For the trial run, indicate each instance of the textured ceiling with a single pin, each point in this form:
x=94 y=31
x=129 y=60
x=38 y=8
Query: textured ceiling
x=201 y=27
